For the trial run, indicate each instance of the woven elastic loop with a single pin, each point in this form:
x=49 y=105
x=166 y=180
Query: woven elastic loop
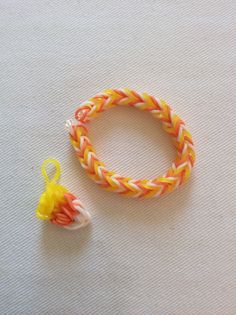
x=175 y=176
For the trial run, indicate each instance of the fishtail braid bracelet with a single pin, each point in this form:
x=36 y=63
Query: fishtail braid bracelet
x=177 y=174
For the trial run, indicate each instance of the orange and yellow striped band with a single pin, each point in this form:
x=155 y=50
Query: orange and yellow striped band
x=175 y=176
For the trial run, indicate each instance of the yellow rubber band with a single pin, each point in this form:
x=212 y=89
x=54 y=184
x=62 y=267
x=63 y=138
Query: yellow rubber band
x=57 y=174
x=53 y=194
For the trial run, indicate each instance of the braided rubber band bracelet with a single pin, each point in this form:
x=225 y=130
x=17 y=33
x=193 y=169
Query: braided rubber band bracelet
x=174 y=177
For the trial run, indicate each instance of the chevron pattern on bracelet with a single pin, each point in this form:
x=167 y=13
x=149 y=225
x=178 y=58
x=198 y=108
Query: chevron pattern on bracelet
x=175 y=176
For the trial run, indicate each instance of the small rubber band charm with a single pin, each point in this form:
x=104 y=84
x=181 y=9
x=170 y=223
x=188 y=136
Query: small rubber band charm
x=58 y=205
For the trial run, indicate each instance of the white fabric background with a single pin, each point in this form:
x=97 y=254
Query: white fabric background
x=176 y=255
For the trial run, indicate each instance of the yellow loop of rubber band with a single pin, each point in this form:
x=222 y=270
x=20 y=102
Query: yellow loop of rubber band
x=57 y=174
x=53 y=194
